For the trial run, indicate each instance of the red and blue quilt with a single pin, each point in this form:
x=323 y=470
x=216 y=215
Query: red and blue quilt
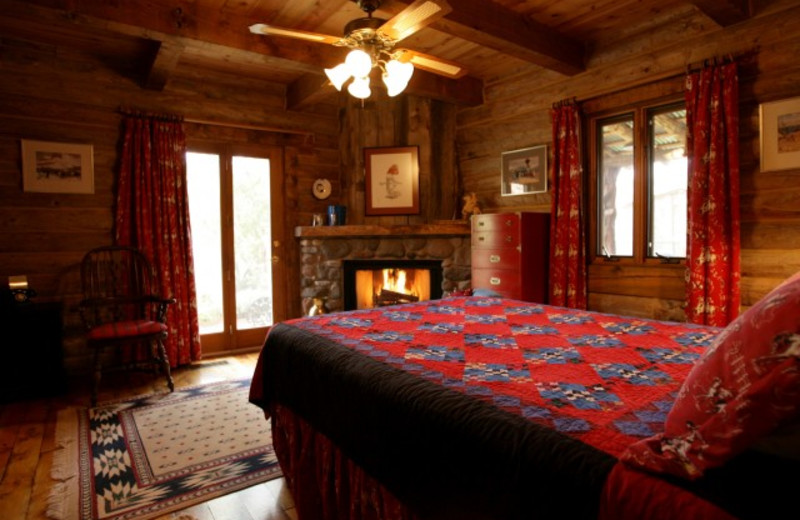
x=480 y=407
x=604 y=379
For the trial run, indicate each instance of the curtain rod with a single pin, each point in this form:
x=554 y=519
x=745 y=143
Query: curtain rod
x=244 y=126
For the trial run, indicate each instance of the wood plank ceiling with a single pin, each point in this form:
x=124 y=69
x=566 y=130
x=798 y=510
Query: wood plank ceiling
x=491 y=38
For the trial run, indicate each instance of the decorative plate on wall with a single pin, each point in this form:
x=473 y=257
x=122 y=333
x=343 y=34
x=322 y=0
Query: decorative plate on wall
x=322 y=188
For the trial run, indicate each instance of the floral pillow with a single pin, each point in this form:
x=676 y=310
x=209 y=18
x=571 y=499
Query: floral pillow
x=744 y=388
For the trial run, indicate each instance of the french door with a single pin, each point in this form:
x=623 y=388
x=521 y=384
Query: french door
x=235 y=207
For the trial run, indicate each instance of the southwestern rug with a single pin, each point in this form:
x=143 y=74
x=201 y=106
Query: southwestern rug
x=153 y=454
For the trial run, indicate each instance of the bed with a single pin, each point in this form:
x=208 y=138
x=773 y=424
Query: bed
x=489 y=408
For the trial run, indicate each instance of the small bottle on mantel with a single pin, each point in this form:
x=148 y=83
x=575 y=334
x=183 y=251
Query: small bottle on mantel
x=317 y=307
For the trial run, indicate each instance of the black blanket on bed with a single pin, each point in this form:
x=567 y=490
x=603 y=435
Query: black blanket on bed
x=445 y=454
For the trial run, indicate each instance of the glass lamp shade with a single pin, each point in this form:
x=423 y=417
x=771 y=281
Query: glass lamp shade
x=359 y=88
x=338 y=75
x=397 y=76
x=358 y=63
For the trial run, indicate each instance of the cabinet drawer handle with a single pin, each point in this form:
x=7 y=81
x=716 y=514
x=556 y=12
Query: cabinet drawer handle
x=494 y=258
x=481 y=223
x=494 y=280
x=481 y=239
x=509 y=238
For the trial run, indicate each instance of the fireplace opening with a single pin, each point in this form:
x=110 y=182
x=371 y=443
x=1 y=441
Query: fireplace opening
x=377 y=283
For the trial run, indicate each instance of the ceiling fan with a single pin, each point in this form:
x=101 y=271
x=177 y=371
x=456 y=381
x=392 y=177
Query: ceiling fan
x=373 y=40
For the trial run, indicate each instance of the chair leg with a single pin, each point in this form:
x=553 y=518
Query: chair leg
x=162 y=356
x=98 y=372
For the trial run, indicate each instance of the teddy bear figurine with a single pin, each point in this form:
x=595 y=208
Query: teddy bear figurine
x=470 y=206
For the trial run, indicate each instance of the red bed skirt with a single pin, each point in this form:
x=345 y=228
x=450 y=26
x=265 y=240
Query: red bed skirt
x=326 y=485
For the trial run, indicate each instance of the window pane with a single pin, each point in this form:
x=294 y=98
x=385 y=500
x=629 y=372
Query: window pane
x=616 y=188
x=252 y=242
x=668 y=180
x=202 y=179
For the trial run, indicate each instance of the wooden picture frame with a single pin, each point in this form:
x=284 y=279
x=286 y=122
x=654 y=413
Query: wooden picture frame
x=52 y=167
x=392 y=180
x=780 y=134
x=523 y=171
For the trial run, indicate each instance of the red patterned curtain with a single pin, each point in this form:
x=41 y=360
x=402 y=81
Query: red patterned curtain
x=152 y=214
x=567 y=245
x=712 y=145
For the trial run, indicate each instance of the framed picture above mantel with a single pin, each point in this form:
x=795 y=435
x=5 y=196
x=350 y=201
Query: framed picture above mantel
x=54 y=167
x=392 y=180
x=523 y=171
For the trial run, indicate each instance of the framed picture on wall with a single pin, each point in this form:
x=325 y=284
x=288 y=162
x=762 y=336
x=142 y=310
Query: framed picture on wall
x=53 y=167
x=780 y=135
x=523 y=171
x=392 y=180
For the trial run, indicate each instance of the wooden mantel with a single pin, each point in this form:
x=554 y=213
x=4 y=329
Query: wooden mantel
x=443 y=229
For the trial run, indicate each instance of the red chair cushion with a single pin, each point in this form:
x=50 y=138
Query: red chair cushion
x=126 y=329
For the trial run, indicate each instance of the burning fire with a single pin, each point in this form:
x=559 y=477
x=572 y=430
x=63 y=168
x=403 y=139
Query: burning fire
x=395 y=280
x=390 y=286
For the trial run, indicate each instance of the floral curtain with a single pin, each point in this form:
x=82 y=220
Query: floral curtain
x=567 y=245
x=152 y=214
x=712 y=145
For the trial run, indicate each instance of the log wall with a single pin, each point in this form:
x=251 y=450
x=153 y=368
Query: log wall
x=516 y=114
x=56 y=94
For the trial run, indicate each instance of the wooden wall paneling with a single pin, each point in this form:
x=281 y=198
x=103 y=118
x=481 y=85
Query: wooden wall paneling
x=45 y=235
x=419 y=134
x=643 y=307
x=445 y=194
x=667 y=282
x=623 y=65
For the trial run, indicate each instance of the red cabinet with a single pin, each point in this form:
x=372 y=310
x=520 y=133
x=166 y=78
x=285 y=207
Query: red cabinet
x=510 y=253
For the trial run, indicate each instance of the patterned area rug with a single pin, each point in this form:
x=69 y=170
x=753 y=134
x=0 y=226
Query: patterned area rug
x=147 y=456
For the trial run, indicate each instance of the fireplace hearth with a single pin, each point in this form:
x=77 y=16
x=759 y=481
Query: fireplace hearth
x=324 y=251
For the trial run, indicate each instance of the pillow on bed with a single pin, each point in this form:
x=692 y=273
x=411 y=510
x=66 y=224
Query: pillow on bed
x=744 y=387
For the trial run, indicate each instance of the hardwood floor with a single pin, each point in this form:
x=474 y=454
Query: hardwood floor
x=27 y=442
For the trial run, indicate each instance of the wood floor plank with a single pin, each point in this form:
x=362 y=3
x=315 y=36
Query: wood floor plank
x=18 y=480
x=27 y=445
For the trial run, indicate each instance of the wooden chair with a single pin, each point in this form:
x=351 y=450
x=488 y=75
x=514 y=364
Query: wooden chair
x=121 y=308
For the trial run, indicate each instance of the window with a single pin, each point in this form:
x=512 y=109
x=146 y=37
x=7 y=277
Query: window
x=639 y=182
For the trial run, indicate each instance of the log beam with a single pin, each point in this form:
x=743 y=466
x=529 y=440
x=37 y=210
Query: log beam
x=725 y=12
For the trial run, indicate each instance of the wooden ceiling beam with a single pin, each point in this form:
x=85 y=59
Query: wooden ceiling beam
x=163 y=65
x=155 y=21
x=725 y=12
x=506 y=31
x=307 y=90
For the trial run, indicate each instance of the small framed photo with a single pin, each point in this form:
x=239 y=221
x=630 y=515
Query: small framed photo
x=392 y=180
x=780 y=135
x=52 y=167
x=524 y=171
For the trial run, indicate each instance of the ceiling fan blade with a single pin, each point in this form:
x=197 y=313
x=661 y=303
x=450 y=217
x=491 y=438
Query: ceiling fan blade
x=271 y=30
x=414 y=17
x=430 y=63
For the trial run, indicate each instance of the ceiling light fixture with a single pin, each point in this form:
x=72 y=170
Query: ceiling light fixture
x=370 y=49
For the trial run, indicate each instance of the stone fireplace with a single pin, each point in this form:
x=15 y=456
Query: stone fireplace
x=443 y=249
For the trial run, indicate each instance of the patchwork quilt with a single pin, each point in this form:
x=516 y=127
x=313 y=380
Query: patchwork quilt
x=606 y=380
x=480 y=407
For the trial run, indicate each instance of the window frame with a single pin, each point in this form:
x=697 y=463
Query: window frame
x=642 y=203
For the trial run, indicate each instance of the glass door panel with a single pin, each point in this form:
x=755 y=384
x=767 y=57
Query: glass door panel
x=203 y=186
x=252 y=242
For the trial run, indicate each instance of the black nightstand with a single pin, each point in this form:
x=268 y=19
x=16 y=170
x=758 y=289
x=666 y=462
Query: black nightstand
x=33 y=357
